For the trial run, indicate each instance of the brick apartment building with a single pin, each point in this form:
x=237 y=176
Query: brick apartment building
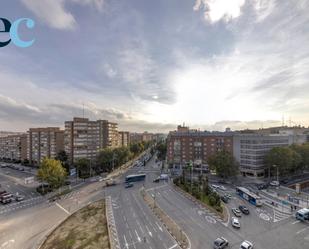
x=44 y=142
x=13 y=147
x=185 y=145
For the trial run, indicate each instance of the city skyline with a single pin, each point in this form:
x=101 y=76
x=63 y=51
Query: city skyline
x=152 y=66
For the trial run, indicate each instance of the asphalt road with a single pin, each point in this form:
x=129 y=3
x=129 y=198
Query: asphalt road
x=137 y=227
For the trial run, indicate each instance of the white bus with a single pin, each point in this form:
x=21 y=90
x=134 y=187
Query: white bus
x=249 y=196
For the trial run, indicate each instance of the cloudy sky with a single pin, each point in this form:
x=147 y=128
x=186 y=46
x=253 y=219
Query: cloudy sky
x=150 y=65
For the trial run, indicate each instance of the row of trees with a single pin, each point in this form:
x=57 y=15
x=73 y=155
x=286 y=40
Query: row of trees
x=288 y=160
x=200 y=190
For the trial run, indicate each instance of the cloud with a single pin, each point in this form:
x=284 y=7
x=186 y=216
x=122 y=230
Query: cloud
x=53 y=13
x=98 y=4
x=215 y=10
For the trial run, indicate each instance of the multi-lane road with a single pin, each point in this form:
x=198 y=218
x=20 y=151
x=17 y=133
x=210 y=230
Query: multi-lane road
x=138 y=228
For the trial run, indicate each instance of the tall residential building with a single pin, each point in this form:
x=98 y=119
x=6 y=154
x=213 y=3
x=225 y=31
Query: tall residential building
x=123 y=138
x=108 y=134
x=250 y=150
x=13 y=147
x=141 y=137
x=195 y=146
x=85 y=138
x=82 y=139
x=44 y=142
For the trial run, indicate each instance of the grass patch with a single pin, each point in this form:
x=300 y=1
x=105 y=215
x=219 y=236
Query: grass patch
x=85 y=229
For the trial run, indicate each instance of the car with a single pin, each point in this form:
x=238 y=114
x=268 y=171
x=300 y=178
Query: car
x=262 y=186
x=224 y=199
x=237 y=212
x=222 y=187
x=67 y=182
x=274 y=183
x=284 y=181
x=220 y=243
x=215 y=186
x=157 y=179
x=244 y=209
x=246 y=245
x=19 y=198
x=228 y=196
x=235 y=222
x=128 y=185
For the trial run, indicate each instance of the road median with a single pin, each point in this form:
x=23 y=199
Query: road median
x=171 y=226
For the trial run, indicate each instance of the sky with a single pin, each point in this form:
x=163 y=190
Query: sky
x=151 y=65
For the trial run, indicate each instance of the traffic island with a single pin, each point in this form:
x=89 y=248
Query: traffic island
x=171 y=226
x=86 y=228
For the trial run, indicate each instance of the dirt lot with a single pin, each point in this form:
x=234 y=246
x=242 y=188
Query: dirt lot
x=85 y=229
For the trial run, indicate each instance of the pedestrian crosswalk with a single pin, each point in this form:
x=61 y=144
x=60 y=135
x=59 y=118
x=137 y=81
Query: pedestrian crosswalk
x=279 y=216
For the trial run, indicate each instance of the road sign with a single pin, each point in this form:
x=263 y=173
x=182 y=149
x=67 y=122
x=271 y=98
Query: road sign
x=73 y=172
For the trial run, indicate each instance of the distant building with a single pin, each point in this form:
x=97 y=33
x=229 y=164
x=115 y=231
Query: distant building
x=142 y=137
x=44 y=142
x=13 y=147
x=123 y=138
x=185 y=145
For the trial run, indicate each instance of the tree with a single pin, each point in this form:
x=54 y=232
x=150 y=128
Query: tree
x=286 y=159
x=83 y=167
x=105 y=159
x=52 y=172
x=161 y=148
x=63 y=158
x=303 y=151
x=224 y=164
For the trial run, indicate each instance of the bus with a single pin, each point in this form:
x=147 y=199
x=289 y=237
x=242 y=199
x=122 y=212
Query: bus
x=135 y=178
x=249 y=196
x=302 y=214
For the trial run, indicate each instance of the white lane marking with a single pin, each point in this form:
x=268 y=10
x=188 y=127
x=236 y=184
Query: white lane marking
x=125 y=242
x=138 y=238
x=264 y=216
x=173 y=246
x=295 y=222
x=300 y=231
x=7 y=243
x=210 y=219
x=148 y=230
x=62 y=208
x=159 y=227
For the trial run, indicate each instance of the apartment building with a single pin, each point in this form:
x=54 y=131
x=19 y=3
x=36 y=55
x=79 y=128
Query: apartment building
x=44 y=142
x=141 y=137
x=81 y=139
x=108 y=134
x=185 y=145
x=13 y=147
x=85 y=138
x=123 y=138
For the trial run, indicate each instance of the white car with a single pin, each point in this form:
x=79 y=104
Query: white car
x=236 y=211
x=222 y=187
x=274 y=183
x=246 y=245
x=215 y=186
x=235 y=222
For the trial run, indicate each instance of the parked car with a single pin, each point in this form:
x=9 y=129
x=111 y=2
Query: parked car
x=235 y=222
x=261 y=186
x=220 y=243
x=246 y=245
x=284 y=181
x=244 y=209
x=237 y=212
x=274 y=183
x=228 y=196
